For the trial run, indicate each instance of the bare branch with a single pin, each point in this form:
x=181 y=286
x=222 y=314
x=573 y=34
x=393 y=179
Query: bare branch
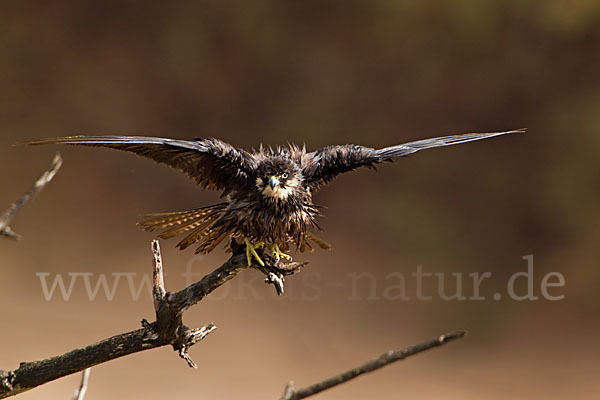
x=168 y=329
x=189 y=296
x=194 y=336
x=158 y=287
x=8 y=215
x=80 y=391
x=288 y=392
x=379 y=362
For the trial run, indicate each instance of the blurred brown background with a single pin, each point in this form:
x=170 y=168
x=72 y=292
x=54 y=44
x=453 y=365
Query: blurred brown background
x=374 y=73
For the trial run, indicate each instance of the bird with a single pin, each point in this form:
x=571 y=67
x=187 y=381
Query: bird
x=267 y=193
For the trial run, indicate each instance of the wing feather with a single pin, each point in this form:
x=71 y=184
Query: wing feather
x=212 y=163
x=328 y=162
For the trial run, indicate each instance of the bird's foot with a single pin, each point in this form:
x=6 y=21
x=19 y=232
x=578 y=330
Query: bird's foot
x=277 y=253
x=251 y=252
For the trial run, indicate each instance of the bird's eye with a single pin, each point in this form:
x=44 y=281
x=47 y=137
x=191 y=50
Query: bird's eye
x=284 y=175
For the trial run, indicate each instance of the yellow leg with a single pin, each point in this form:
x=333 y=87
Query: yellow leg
x=277 y=253
x=251 y=252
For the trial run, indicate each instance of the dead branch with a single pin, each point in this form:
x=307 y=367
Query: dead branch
x=9 y=214
x=168 y=329
x=80 y=391
x=381 y=361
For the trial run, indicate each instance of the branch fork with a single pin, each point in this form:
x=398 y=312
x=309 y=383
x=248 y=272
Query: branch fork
x=168 y=329
x=169 y=307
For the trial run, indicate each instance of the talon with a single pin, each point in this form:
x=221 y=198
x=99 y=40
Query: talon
x=277 y=253
x=251 y=252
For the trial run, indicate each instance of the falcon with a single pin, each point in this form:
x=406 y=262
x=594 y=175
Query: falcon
x=267 y=192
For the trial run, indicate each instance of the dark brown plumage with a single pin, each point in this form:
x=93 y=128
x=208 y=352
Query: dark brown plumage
x=268 y=193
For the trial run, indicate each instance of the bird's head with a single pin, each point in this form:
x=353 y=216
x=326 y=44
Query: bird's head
x=278 y=178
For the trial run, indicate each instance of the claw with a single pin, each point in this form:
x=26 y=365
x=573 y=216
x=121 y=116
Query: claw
x=251 y=252
x=277 y=253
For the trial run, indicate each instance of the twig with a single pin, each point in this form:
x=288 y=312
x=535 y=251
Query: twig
x=9 y=214
x=192 y=337
x=80 y=391
x=168 y=329
x=381 y=361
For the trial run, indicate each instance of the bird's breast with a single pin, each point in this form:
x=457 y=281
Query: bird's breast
x=270 y=221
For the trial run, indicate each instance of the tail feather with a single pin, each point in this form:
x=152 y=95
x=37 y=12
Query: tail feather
x=157 y=221
x=216 y=238
x=304 y=245
x=166 y=221
x=199 y=221
x=190 y=239
x=210 y=239
x=198 y=234
x=184 y=227
x=320 y=242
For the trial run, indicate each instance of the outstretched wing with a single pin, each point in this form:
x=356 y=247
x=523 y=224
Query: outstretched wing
x=328 y=162
x=212 y=163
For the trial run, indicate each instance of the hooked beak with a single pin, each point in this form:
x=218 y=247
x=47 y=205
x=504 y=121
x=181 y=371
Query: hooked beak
x=273 y=181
